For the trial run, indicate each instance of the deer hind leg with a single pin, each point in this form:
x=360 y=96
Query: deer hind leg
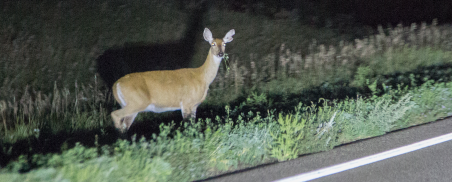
x=117 y=120
x=124 y=117
x=128 y=120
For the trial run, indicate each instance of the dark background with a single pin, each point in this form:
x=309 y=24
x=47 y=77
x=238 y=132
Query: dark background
x=367 y=12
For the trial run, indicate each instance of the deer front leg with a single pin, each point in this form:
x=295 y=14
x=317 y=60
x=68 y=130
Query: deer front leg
x=188 y=112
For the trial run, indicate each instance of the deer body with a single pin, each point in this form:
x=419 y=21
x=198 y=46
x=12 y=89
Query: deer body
x=168 y=90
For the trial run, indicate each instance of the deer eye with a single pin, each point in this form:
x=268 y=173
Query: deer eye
x=213 y=44
x=224 y=44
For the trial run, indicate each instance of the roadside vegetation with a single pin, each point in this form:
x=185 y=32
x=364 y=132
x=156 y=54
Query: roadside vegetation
x=282 y=94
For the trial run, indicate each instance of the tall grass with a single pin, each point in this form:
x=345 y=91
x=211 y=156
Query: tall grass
x=398 y=49
x=63 y=110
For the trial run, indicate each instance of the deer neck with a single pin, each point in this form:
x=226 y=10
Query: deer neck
x=209 y=69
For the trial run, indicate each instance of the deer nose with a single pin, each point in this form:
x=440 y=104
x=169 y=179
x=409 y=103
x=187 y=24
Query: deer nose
x=220 y=54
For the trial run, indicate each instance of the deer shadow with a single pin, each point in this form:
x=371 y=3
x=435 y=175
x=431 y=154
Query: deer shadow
x=119 y=61
x=140 y=57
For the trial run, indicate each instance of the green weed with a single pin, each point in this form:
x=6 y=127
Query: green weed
x=287 y=139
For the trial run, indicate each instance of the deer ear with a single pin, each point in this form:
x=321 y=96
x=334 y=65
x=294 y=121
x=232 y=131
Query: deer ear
x=208 y=35
x=228 y=37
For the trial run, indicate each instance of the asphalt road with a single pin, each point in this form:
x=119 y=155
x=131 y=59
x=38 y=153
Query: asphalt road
x=433 y=163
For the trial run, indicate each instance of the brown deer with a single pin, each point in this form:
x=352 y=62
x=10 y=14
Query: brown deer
x=168 y=90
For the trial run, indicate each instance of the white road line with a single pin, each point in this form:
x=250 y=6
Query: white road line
x=367 y=160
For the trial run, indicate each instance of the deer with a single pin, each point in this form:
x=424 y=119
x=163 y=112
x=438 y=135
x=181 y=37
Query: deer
x=168 y=90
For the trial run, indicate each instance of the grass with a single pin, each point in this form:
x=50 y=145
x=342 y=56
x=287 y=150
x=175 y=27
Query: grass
x=287 y=93
x=207 y=148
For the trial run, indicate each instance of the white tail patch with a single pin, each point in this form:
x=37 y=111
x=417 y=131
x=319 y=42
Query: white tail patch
x=120 y=96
